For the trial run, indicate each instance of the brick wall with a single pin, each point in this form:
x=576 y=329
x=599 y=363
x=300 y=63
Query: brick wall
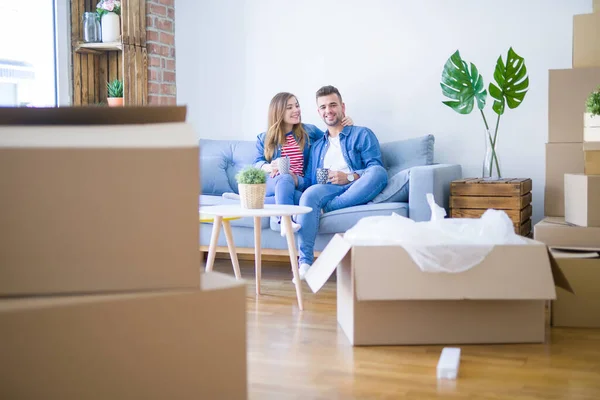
x=160 y=43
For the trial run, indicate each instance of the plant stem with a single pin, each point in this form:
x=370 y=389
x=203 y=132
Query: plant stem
x=495 y=157
x=492 y=142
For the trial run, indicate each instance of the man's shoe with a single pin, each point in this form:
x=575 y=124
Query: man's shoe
x=304 y=267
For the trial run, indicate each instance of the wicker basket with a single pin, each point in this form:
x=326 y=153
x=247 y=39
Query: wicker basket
x=252 y=196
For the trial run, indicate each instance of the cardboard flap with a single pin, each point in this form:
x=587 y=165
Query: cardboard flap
x=330 y=258
x=591 y=146
x=515 y=272
x=91 y=115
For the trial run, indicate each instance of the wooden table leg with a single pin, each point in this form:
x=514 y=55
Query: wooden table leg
x=212 y=249
x=289 y=233
x=257 y=252
x=232 y=252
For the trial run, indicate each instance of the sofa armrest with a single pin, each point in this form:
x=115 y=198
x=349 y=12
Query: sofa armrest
x=434 y=179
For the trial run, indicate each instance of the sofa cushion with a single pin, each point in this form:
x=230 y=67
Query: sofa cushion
x=220 y=161
x=407 y=153
x=341 y=220
x=210 y=200
x=396 y=189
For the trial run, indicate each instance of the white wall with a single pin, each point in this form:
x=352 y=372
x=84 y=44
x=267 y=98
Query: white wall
x=385 y=56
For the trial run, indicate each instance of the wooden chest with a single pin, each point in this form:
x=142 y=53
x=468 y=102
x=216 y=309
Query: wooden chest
x=470 y=198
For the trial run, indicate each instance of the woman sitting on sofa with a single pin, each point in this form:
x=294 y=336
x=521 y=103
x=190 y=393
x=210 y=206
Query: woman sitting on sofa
x=287 y=137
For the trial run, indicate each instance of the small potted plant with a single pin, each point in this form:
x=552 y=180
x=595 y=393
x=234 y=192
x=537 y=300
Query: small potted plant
x=115 y=93
x=252 y=187
x=591 y=118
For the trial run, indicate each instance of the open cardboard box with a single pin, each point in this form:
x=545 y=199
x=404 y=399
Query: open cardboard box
x=97 y=199
x=383 y=298
x=168 y=344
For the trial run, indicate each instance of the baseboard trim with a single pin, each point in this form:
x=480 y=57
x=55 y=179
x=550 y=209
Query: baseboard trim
x=247 y=254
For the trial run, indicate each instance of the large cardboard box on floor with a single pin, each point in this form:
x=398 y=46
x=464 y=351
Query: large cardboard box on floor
x=556 y=233
x=586 y=36
x=97 y=199
x=580 y=309
x=582 y=199
x=568 y=90
x=172 y=344
x=591 y=152
x=383 y=297
x=561 y=159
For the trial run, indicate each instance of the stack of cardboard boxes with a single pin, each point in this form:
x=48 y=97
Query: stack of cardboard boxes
x=572 y=198
x=101 y=294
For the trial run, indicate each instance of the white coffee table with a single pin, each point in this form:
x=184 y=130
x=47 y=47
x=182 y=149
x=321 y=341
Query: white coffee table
x=270 y=210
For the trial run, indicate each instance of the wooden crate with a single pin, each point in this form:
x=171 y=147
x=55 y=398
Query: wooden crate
x=470 y=198
x=94 y=64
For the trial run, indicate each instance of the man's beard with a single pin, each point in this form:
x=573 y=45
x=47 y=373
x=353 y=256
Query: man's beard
x=332 y=123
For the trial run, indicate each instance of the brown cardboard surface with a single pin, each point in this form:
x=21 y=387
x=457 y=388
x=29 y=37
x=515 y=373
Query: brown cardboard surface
x=596 y=5
x=567 y=91
x=561 y=159
x=586 y=36
x=98 y=208
x=582 y=199
x=385 y=299
x=581 y=309
x=164 y=345
x=556 y=233
x=44 y=116
x=592 y=162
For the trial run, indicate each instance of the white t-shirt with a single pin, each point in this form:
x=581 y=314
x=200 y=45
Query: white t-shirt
x=334 y=159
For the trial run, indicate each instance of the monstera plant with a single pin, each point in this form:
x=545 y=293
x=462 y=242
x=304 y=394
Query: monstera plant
x=463 y=84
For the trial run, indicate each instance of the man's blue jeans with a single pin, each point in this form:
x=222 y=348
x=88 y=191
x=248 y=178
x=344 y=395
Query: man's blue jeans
x=333 y=197
x=282 y=190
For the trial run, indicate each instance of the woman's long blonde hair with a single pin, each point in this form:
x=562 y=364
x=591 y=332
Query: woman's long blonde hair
x=276 y=134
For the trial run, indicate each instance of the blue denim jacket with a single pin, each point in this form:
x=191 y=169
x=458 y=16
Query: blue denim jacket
x=314 y=134
x=360 y=148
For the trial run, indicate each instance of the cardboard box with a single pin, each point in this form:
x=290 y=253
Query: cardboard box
x=561 y=159
x=591 y=128
x=586 y=36
x=97 y=199
x=582 y=199
x=152 y=345
x=592 y=158
x=596 y=6
x=556 y=233
x=383 y=297
x=582 y=308
x=567 y=92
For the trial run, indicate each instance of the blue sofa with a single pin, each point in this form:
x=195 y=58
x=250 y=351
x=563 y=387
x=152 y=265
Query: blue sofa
x=411 y=173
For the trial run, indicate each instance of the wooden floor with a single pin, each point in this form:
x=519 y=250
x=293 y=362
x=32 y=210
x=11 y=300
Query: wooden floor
x=296 y=354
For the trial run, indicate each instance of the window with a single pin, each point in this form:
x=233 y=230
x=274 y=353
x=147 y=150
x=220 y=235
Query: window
x=34 y=56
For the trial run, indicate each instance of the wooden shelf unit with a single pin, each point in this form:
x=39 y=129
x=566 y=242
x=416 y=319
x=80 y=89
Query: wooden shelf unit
x=94 y=64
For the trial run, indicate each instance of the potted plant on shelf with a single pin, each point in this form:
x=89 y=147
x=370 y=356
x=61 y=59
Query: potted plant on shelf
x=252 y=187
x=115 y=93
x=591 y=118
x=465 y=85
x=110 y=22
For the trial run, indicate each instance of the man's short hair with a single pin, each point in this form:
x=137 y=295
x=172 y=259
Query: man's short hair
x=327 y=90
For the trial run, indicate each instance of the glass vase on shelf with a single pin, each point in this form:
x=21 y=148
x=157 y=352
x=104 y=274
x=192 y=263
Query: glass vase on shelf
x=91 y=27
x=491 y=164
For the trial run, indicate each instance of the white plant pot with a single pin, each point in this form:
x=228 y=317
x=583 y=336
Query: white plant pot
x=591 y=128
x=111 y=27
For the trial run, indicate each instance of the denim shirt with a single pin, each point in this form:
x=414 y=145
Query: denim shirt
x=360 y=148
x=314 y=134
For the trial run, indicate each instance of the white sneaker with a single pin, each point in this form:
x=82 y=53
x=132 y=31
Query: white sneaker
x=295 y=228
x=302 y=271
x=231 y=196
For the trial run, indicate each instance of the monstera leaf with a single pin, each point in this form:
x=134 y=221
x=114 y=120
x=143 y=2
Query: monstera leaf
x=462 y=85
x=512 y=81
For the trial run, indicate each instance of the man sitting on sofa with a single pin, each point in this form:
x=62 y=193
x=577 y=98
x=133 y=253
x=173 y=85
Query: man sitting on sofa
x=356 y=173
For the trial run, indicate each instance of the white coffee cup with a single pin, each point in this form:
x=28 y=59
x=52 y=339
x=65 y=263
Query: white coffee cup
x=283 y=165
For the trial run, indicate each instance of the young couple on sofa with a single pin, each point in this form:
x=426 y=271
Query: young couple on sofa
x=351 y=154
